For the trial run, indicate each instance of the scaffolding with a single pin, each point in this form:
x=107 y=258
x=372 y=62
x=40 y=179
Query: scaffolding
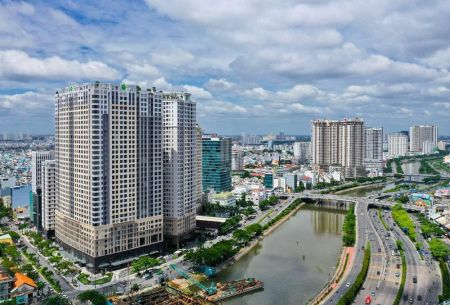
x=161 y=296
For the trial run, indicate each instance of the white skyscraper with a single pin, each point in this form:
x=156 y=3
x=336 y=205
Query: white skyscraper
x=109 y=172
x=374 y=144
x=180 y=133
x=397 y=144
x=422 y=138
x=37 y=157
x=339 y=143
x=302 y=151
x=48 y=187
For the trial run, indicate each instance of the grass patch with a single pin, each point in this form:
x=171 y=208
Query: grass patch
x=445 y=281
x=84 y=279
x=398 y=297
x=382 y=220
x=401 y=217
x=343 y=269
x=265 y=216
x=351 y=293
x=349 y=228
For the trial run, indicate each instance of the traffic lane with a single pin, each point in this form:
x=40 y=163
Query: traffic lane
x=390 y=276
x=356 y=267
x=393 y=265
x=376 y=261
x=433 y=276
x=410 y=288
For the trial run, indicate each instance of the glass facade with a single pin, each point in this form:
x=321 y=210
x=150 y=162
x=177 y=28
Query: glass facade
x=216 y=164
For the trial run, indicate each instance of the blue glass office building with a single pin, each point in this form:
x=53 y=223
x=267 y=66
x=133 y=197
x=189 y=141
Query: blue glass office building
x=216 y=164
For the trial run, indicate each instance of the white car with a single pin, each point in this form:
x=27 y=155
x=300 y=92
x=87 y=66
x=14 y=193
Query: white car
x=347 y=285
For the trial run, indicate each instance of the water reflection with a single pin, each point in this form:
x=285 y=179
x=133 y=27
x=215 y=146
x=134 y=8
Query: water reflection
x=327 y=221
x=295 y=261
x=411 y=168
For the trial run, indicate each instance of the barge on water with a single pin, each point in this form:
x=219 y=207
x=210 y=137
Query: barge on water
x=234 y=288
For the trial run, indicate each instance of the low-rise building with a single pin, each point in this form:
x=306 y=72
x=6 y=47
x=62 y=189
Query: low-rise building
x=24 y=289
x=224 y=199
x=6 y=239
x=6 y=284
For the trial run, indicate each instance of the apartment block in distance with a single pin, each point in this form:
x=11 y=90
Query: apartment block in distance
x=37 y=158
x=180 y=183
x=397 y=144
x=423 y=138
x=109 y=172
x=48 y=197
x=339 y=143
x=216 y=163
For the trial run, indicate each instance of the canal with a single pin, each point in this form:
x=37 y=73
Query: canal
x=295 y=261
x=411 y=168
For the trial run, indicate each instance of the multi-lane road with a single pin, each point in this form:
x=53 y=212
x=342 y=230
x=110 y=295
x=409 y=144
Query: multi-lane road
x=382 y=281
x=423 y=279
x=427 y=285
x=362 y=221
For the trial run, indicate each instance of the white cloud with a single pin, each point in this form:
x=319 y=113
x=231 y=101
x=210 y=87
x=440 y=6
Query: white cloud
x=24 y=102
x=197 y=92
x=18 y=65
x=221 y=84
x=439 y=59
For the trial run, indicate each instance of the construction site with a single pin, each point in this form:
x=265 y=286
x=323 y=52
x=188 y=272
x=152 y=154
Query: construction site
x=163 y=296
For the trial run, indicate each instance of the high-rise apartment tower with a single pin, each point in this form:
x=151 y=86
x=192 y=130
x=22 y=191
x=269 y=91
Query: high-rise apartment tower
x=339 y=143
x=109 y=171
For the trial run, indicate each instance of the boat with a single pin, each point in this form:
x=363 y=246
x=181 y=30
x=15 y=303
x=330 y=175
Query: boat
x=235 y=288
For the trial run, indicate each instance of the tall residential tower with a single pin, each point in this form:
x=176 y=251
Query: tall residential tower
x=423 y=138
x=339 y=143
x=109 y=171
x=180 y=183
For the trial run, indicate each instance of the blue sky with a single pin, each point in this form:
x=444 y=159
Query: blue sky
x=251 y=65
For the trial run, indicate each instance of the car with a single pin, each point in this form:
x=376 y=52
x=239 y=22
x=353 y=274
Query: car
x=390 y=246
x=347 y=285
x=372 y=293
x=148 y=276
x=397 y=274
x=379 y=250
x=411 y=300
x=419 y=298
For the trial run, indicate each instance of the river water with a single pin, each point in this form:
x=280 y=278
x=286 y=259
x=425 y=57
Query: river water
x=290 y=278
x=411 y=168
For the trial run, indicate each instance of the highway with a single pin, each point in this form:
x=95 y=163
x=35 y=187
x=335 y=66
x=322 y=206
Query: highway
x=362 y=219
x=428 y=275
x=381 y=282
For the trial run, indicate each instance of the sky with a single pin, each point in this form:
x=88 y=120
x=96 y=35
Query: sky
x=253 y=66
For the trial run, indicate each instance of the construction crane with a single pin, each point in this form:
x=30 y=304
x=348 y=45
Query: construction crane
x=209 y=290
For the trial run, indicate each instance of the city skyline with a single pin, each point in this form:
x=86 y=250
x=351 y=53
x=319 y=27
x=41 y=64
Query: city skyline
x=332 y=60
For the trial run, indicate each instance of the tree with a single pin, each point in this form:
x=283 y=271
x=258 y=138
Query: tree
x=245 y=174
x=135 y=287
x=94 y=296
x=56 y=300
x=438 y=248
